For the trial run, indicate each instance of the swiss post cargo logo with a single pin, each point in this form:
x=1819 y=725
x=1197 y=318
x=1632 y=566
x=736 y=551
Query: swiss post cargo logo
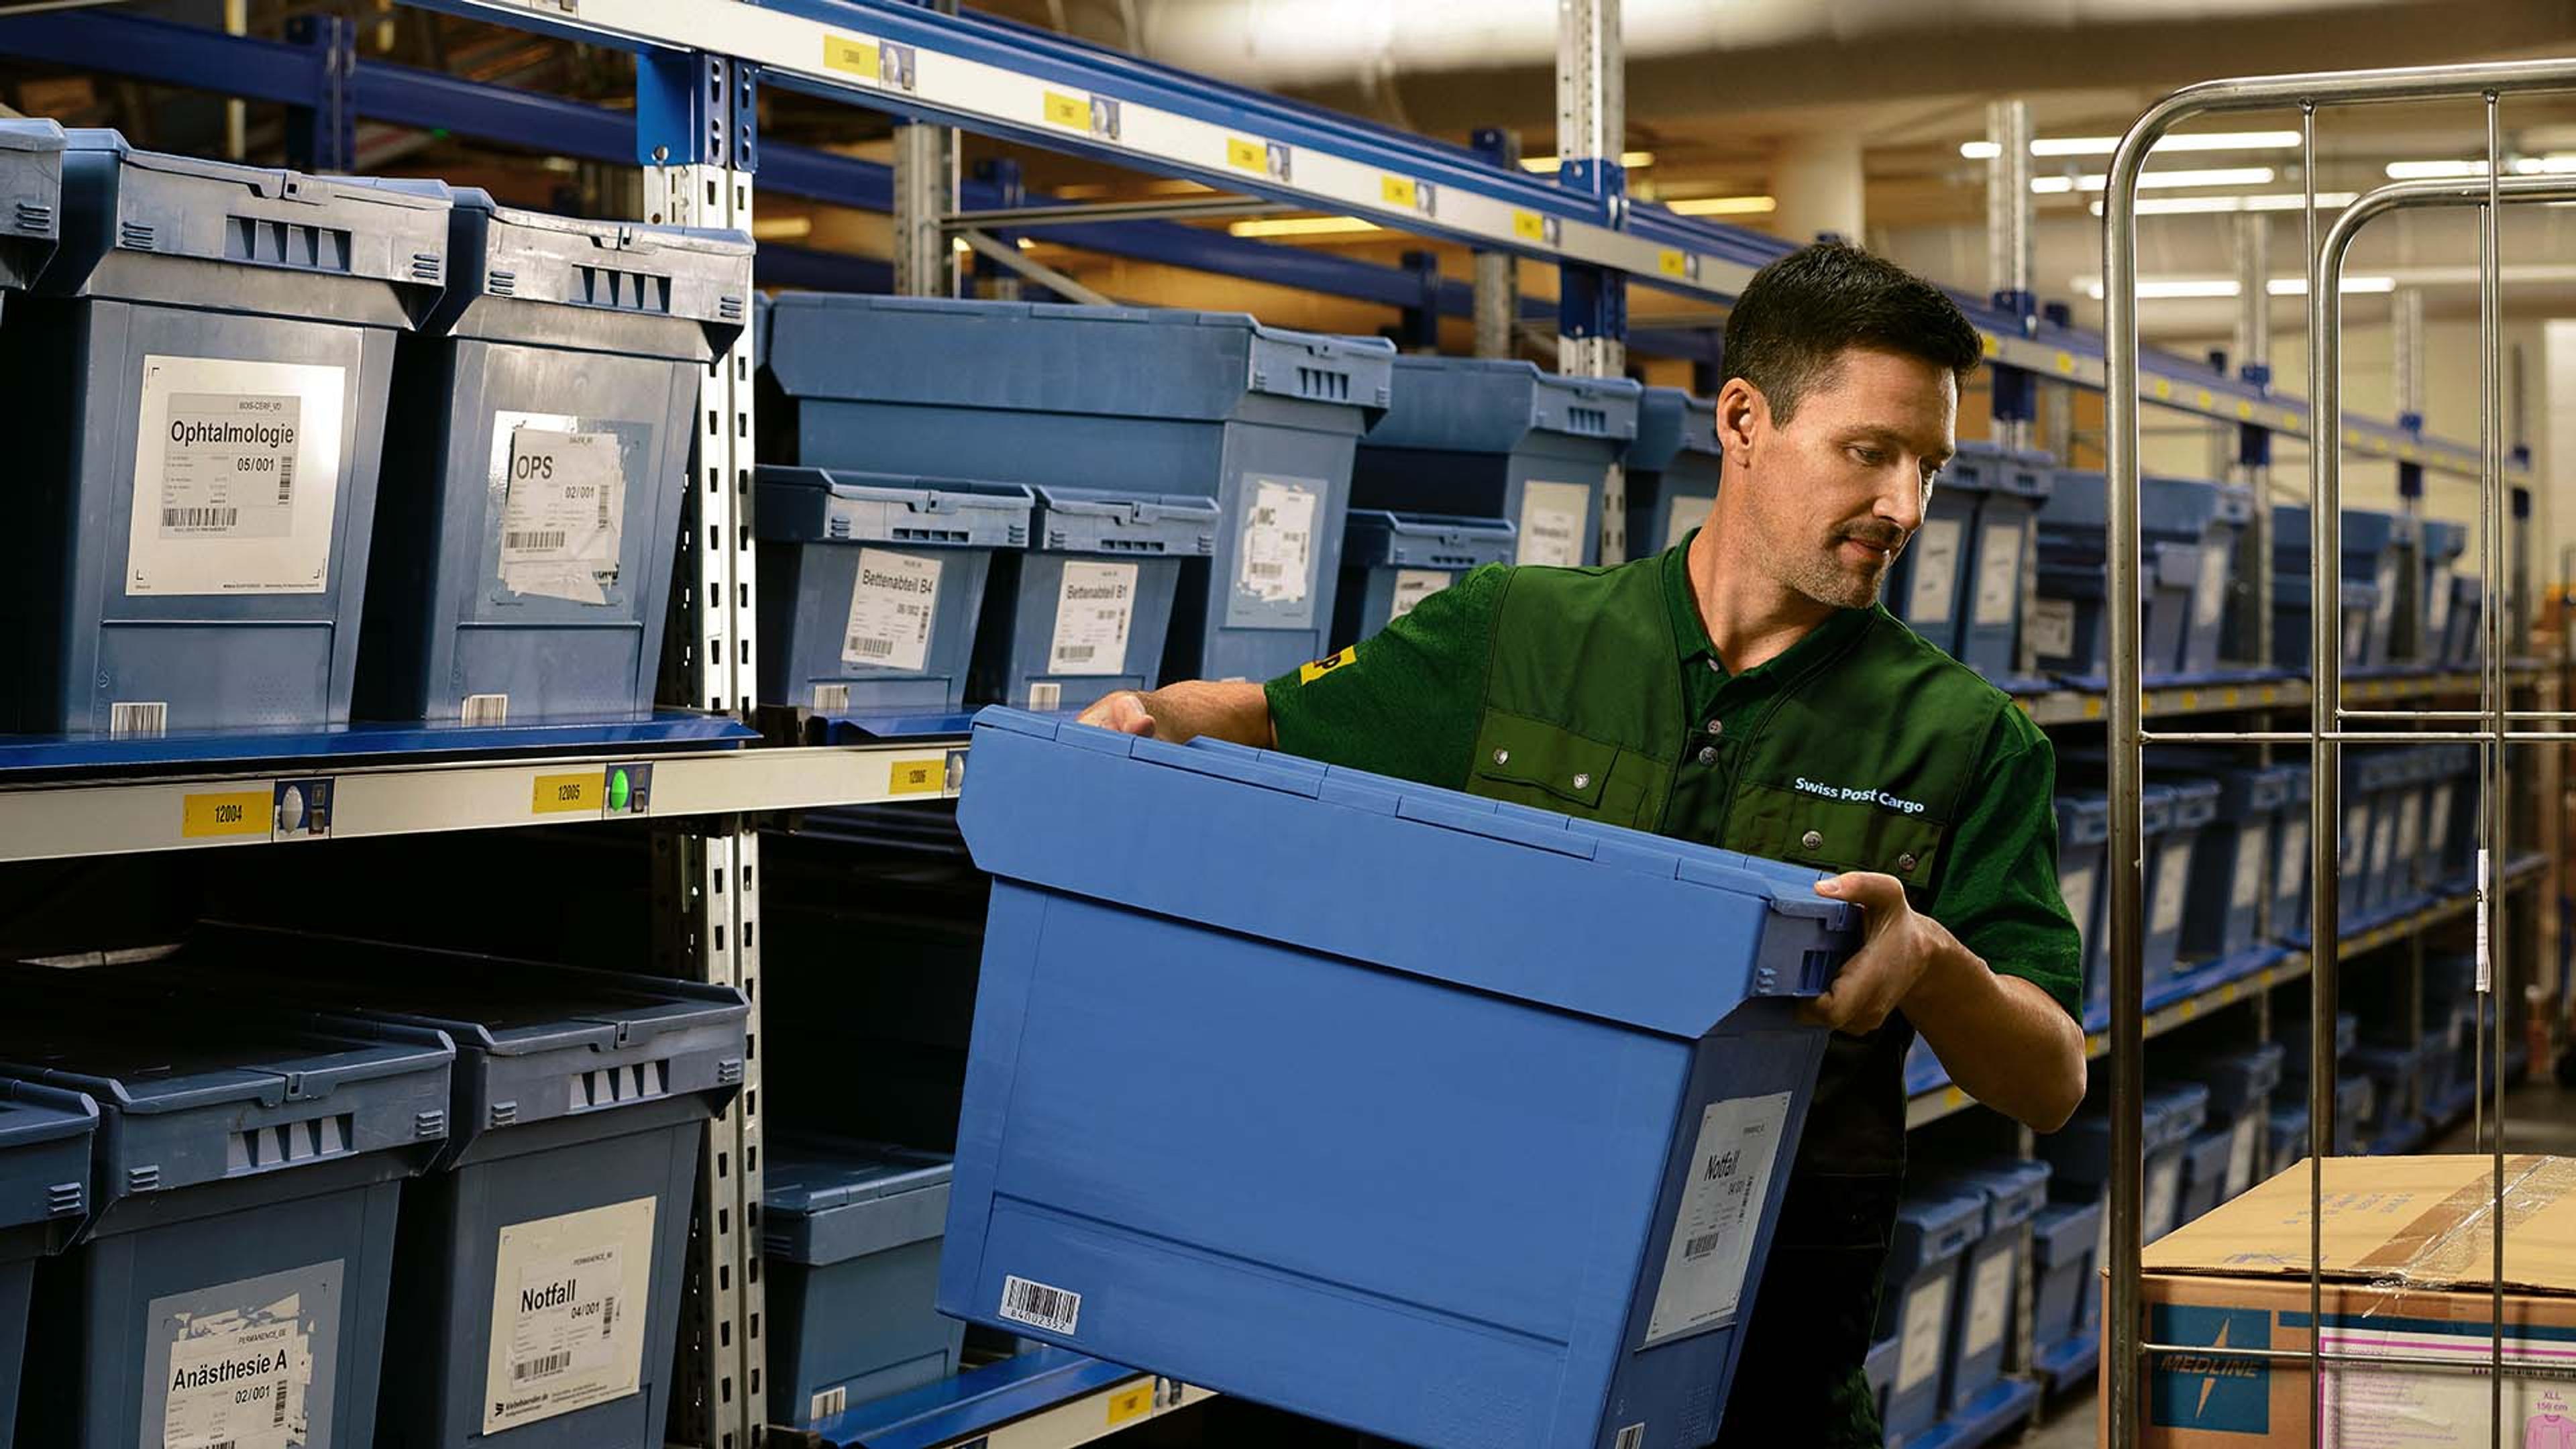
x=2211 y=1391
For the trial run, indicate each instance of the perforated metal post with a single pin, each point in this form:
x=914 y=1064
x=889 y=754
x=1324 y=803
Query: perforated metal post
x=1498 y=288
x=1591 y=129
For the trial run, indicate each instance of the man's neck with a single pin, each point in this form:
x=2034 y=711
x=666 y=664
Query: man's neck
x=1749 y=617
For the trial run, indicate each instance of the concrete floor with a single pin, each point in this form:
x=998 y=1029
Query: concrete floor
x=2539 y=1118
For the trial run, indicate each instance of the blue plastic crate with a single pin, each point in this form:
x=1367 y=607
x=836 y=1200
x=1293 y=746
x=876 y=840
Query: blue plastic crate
x=871 y=585
x=1990 y=1279
x=2232 y=862
x=1393 y=561
x=1929 y=584
x=2439 y=544
x=1197 y=1104
x=241 y=1242
x=1879 y=1369
x=2394 y=1120
x=2452 y=815
x=850 y=1232
x=2241 y=1086
x=1261 y=419
x=2205 y=1169
x=536 y=463
x=2289 y=1134
x=2293 y=601
x=580 y=1106
x=31 y=202
x=1672 y=468
x=2464 y=636
x=1497 y=438
x=2156 y=811
x=44 y=1188
x=2079 y=1154
x=1086 y=610
x=2370 y=580
x=215 y=345
x=1934 y=1230
x=2355 y=1101
x=2381 y=781
x=2170 y=891
x=2187 y=540
x=2376 y=547
x=2083 y=830
x=2065 y=1238
x=2292 y=861
x=2014 y=487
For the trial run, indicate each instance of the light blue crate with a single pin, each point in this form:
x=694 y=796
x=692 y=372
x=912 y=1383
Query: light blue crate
x=1982 y=1314
x=1201 y=1135
x=1086 y=610
x=1393 y=561
x=851 y=1235
x=1935 y=1227
x=31 y=197
x=1672 y=469
x=2011 y=487
x=45 y=1137
x=2064 y=1238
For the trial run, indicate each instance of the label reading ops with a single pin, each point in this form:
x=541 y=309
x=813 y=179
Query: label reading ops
x=563 y=514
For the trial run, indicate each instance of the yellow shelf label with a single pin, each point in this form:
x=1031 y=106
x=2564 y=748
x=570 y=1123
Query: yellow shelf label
x=223 y=813
x=2164 y=388
x=1245 y=155
x=1132 y=1402
x=850 y=57
x=1396 y=190
x=565 y=794
x=1529 y=226
x=917 y=777
x=2245 y=410
x=2202 y=399
x=1987 y=344
x=2093 y=707
x=1672 y=263
x=2066 y=362
x=2188 y=699
x=1071 y=112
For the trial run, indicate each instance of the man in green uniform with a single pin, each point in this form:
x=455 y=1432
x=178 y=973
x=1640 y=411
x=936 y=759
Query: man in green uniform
x=1745 y=690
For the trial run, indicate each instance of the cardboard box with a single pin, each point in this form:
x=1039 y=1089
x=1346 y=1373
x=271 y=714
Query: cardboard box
x=2408 y=1250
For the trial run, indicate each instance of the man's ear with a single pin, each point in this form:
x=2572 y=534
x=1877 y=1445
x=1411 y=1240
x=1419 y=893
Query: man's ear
x=1742 y=412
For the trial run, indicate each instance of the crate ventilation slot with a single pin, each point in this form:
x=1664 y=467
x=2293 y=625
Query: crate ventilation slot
x=286 y=244
x=1587 y=420
x=624 y=291
x=609 y=1086
x=36 y=218
x=265 y=1147
x=1324 y=384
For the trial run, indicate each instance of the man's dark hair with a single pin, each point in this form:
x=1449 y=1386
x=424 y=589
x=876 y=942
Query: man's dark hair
x=1798 y=314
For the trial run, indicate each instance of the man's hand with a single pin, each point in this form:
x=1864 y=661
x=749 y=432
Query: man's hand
x=1124 y=712
x=1899 y=948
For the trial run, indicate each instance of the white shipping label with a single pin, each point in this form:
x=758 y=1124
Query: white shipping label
x=2437 y=816
x=2209 y=596
x=1412 y=586
x=1925 y=1330
x=1552 y=519
x=1936 y=571
x=2383 y=836
x=2052 y=628
x=1989 y=1303
x=1998 y=574
x=2293 y=866
x=563 y=513
x=1094 y=608
x=2410 y=831
x=1729 y=1180
x=1279 y=543
x=1685 y=512
x=238 y=1381
x=894 y=603
x=569 y=1298
x=2241 y=1141
x=2386 y=608
x=2486 y=962
x=2439 y=603
x=2075 y=887
x=2355 y=854
x=236 y=477
x=2356 y=637
x=2253 y=843
x=2403 y=1407
x=2164 y=1195
x=2173 y=883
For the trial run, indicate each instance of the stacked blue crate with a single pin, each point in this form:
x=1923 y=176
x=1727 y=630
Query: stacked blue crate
x=2066 y=1310
x=2354 y=1100
x=2464 y=638
x=2187 y=539
x=2292 y=861
x=213 y=345
x=2439 y=544
x=45 y=1137
x=1928 y=584
x=2232 y=864
x=1935 y=1227
x=2365 y=608
x=851 y=1233
x=2083 y=833
x=2080 y=1153
x=31 y=196
x=2204 y=1174
x=1973 y=1389
x=1261 y=419
x=2288 y=1128
x=1672 y=469
x=1393 y=561
x=2376 y=549
x=2242 y=1085
x=2178 y=850
x=2015 y=486
x=1084 y=611
x=2394 y=1125
x=2156 y=813
x=1195 y=1103
x=1497 y=438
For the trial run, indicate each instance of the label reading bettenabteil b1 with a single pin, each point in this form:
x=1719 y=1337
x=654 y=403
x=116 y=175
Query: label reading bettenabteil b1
x=1723 y=1190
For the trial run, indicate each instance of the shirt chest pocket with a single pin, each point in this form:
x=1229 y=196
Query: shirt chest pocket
x=1836 y=834
x=1531 y=762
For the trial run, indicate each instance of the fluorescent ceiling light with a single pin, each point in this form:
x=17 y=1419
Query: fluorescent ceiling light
x=1301 y=226
x=2105 y=145
x=1633 y=160
x=2181 y=205
x=2298 y=286
x=2155 y=180
x=1724 y=206
x=2558 y=163
x=2207 y=287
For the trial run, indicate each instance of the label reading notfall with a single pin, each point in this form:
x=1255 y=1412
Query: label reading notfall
x=1936 y=572
x=563 y=516
x=1551 y=521
x=1094 y=607
x=569 y=1297
x=1721 y=1207
x=1278 y=543
x=1412 y=586
x=238 y=1381
x=893 y=603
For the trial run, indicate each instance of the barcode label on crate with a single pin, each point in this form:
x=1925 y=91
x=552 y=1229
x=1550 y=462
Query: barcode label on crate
x=1054 y=1309
x=564 y=509
x=1721 y=1209
x=1046 y=694
x=235 y=477
x=568 y=1295
x=894 y=606
x=831 y=698
x=490 y=710
x=134 y=720
x=1632 y=1436
x=2486 y=962
x=1998 y=575
x=1278 y=562
x=1095 y=606
x=2052 y=628
x=1935 y=554
x=828 y=1402
x=1552 y=522
x=1412 y=586
x=240 y=1362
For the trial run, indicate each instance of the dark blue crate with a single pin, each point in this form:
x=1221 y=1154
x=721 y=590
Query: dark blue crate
x=44 y=1189
x=1086 y=610
x=2241 y=1089
x=2080 y=1153
x=2187 y=539
x=1497 y=438
x=1393 y=561
x=201 y=324
x=1934 y=1231
x=1672 y=469
x=2292 y=861
x=2156 y=809
x=2232 y=863
x=1928 y=584
x=2439 y=544
x=2376 y=547
x=1990 y=1278
x=851 y=1236
x=31 y=200
x=2171 y=871
x=871 y=585
x=2011 y=487
x=1262 y=419
x=2288 y=1129
x=2293 y=607
x=536 y=463
x=2205 y=1171
x=1196 y=1103
x=2396 y=1079
x=2463 y=635
x=2083 y=831
x=2065 y=1241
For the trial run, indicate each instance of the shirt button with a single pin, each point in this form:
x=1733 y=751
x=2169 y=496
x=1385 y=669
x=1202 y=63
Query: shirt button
x=1716 y=727
x=1708 y=754
x=1502 y=757
x=1583 y=782
x=1905 y=861
x=1812 y=840
x=1716 y=668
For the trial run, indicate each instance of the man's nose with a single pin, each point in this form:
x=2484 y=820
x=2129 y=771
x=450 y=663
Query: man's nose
x=1901 y=501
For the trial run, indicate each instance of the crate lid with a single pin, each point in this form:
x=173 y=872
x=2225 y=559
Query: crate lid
x=692 y=274
x=1494 y=404
x=2065 y=1231
x=827 y=1200
x=2235 y=1078
x=2195 y=802
x=1670 y=423
x=1374 y=538
x=45 y=1161
x=2168 y=507
x=32 y=1114
x=2014 y=1188
x=1933 y=1225
x=845 y=505
x=2208 y=1150
x=2083 y=819
x=2444 y=541
x=1400 y=876
x=1990 y=467
x=2351 y=593
x=2174 y=1111
x=31 y=186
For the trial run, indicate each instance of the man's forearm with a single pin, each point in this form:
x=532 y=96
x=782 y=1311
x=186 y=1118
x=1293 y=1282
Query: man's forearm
x=2003 y=1039
x=1234 y=710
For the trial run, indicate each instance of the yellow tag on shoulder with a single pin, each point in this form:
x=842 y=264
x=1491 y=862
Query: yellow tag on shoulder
x=1309 y=673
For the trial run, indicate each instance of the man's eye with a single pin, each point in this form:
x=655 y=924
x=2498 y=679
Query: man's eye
x=1868 y=457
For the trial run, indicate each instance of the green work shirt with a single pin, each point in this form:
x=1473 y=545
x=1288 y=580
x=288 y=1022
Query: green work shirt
x=1597 y=693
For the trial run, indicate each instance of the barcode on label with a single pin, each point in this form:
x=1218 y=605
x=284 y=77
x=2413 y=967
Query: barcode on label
x=1703 y=1245
x=1046 y=695
x=539 y=1367
x=874 y=648
x=1631 y=1437
x=225 y=1444
x=200 y=517
x=540 y=538
x=130 y=721
x=277 y=1410
x=608 y=1315
x=1039 y=1306
x=829 y=698
x=285 y=493
x=487 y=709
x=828 y=1402
x=1078 y=653
x=1267 y=570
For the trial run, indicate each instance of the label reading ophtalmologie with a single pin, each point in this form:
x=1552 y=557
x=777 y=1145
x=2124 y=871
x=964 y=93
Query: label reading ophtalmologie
x=569 y=1297
x=1727 y=1181
x=236 y=477
x=894 y=602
